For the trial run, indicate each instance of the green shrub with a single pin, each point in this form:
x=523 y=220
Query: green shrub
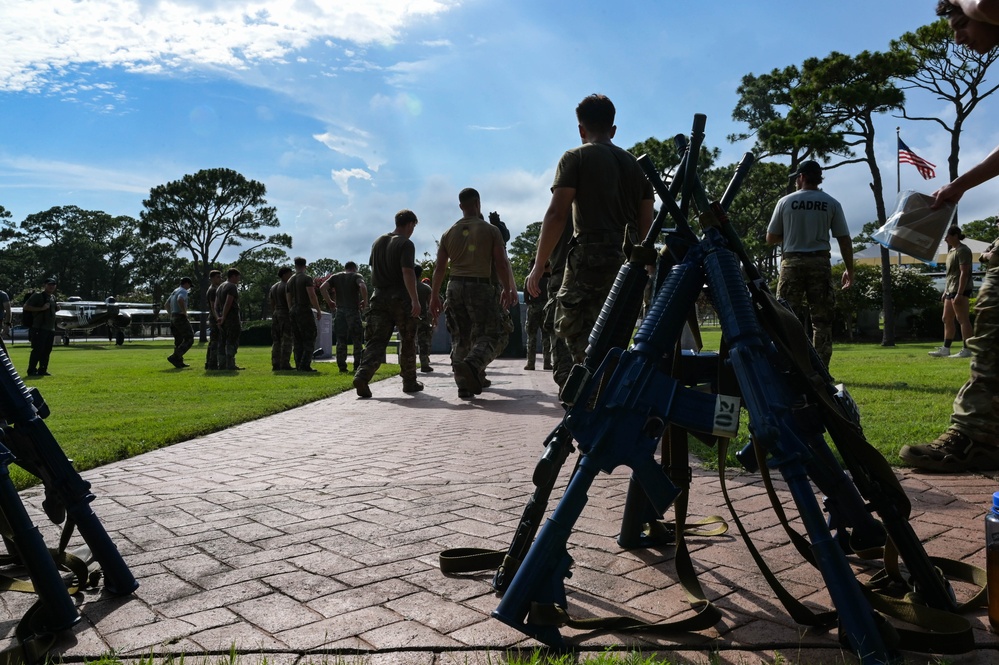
x=255 y=333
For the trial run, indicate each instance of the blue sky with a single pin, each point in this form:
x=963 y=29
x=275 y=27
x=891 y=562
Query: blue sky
x=350 y=111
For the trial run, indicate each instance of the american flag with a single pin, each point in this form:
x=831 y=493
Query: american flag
x=906 y=156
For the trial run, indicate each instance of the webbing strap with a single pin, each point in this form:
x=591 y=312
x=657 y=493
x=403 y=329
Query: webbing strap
x=794 y=607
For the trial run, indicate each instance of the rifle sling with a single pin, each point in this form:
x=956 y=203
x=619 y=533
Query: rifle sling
x=937 y=631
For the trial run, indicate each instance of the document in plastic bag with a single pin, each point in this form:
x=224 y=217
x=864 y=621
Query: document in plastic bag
x=914 y=228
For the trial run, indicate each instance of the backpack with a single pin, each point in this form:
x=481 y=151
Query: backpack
x=27 y=318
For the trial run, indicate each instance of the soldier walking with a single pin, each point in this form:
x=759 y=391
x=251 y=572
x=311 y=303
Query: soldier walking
x=180 y=325
x=801 y=224
x=474 y=249
x=533 y=322
x=346 y=294
x=394 y=304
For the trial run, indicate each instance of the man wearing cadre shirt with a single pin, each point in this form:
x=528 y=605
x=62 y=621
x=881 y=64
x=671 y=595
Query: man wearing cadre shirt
x=802 y=223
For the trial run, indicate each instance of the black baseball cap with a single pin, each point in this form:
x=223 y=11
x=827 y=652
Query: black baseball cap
x=808 y=167
x=51 y=280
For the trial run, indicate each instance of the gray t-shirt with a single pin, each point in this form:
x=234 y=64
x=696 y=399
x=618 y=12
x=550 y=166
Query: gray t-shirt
x=806 y=219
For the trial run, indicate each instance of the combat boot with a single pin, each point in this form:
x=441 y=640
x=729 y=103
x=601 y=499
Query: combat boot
x=361 y=385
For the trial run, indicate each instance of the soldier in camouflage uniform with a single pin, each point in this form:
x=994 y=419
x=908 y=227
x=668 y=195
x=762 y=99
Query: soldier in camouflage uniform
x=304 y=310
x=282 y=336
x=607 y=192
x=503 y=319
x=971 y=443
x=348 y=299
x=561 y=356
x=533 y=323
x=214 y=332
x=395 y=303
x=227 y=302
x=425 y=328
x=473 y=248
x=801 y=224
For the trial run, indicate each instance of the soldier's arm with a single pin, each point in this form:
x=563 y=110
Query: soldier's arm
x=409 y=277
x=552 y=226
x=229 y=300
x=311 y=290
x=325 y=291
x=363 y=289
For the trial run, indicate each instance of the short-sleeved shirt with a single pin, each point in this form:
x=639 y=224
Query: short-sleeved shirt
x=423 y=292
x=957 y=257
x=180 y=293
x=390 y=255
x=225 y=290
x=609 y=184
x=45 y=319
x=210 y=294
x=278 y=296
x=806 y=219
x=298 y=289
x=347 y=289
x=469 y=244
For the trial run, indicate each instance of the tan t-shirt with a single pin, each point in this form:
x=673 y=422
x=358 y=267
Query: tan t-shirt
x=469 y=244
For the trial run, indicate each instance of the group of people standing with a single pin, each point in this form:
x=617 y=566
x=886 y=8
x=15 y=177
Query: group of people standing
x=222 y=300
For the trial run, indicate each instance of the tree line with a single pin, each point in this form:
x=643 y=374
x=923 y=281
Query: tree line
x=822 y=109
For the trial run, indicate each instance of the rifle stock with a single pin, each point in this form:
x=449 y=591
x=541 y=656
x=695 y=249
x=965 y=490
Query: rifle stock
x=37 y=451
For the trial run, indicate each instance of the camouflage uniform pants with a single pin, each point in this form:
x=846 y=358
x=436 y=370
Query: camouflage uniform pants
x=348 y=329
x=216 y=348
x=590 y=271
x=424 y=337
x=303 y=327
x=230 y=342
x=976 y=409
x=808 y=279
x=282 y=339
x=471 y=313
x=386 y=314
x=561 y=358
x=534 y=323
x=183 y=335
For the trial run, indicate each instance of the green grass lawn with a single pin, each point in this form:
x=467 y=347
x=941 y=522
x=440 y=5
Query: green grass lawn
x=109 y=403
x=904 y=395
x=113 y=402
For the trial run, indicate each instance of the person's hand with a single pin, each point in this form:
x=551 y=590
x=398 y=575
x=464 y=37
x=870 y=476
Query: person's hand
x=949 y=193
x=508 y=298
x=415 y=312
x=847 y=280
x=435 y=306
x=533 y=280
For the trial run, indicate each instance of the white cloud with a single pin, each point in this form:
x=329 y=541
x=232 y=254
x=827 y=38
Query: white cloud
x=343 y=176
x=353 y=142
x=46 y=38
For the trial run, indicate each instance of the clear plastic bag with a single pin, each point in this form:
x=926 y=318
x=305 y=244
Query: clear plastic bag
x=914 y=228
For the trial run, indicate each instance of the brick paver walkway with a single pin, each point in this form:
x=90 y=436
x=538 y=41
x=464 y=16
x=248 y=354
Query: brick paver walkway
x=317 y=531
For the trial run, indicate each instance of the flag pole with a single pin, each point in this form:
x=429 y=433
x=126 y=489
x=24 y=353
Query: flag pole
x=898 y=175
x=898 y=163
